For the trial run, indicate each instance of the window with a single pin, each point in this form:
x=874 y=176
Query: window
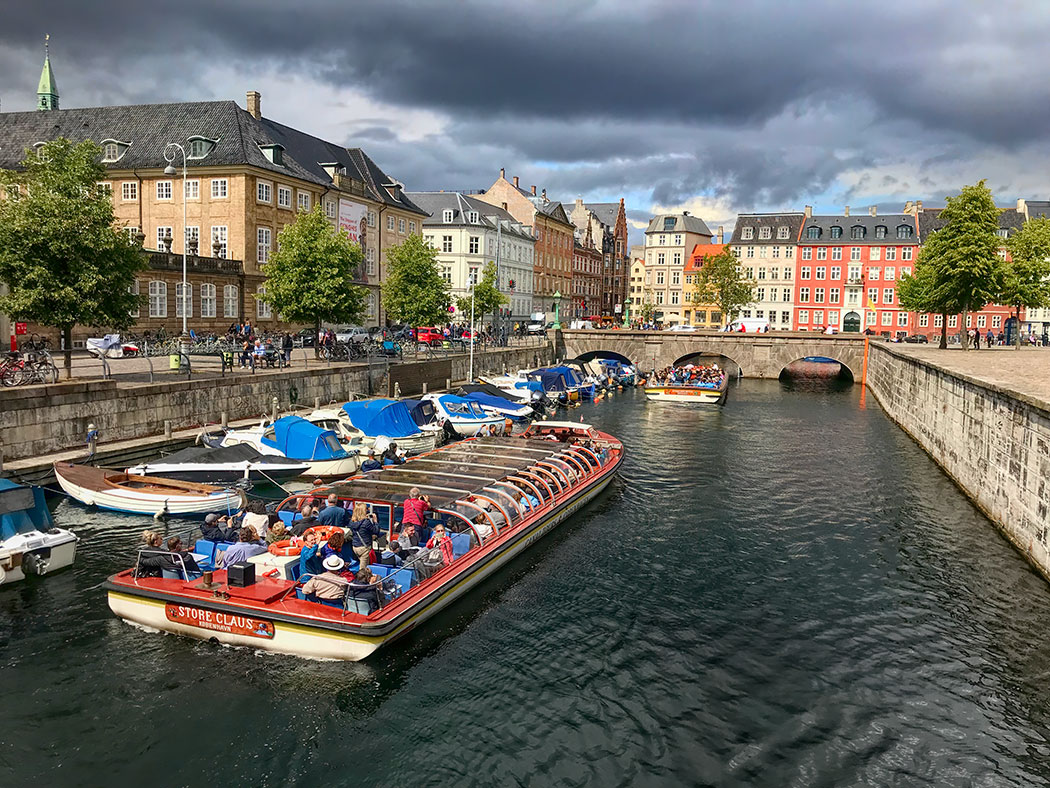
x=390 y=222
x=870 y=320
x=818 y=295
x=782 y=233
x=818 y=316
x=874 y=273
x=132 y=232
x=676 y=258
x=997 y=321
x=880 y=231
x=891 y=273
x=199 y=147
x=765 y=233
x=875 y=253
x=661 y=258
x=284 y=197
x=750 y=252
x=207 y=300
x=785 y=318
x=820 y=272
x=262 y=245
x=183 y=300
x=822 y=253
x=329 y=208
x=836 y=253
x=924 y=321
x=262 y=309
x=475 y=244
x=162 y=233
x=678 y=240
x=111 y=151
x=887 y=295
x=873 y=295
x=193 y=236
x=163 y=190
x=776 y=252
x=446 y=243
x=854 y=273
x=836 y=273
x=134 y=290
x=854 y=253
x=803 y=295
x=158 y=299
x=674 y=297
x=676 y=277
x=660 y=297
x=803 y=316
x=786 y=295
x=938 y=321
x=905 y=270
x=787 y=274
x=748 y=233
x=904 y=231
x=902 y=319
x=763 y=251
x=836 y=231
x=220 y=188
x=659 y=277
x=230 y=305
x=218 y=235
x=804 y=272
x=774 y=272
x=302 y=200
x=761 y=273
x=760 y=294
x=411 y=228
x=833 y=296
x=813 y=233
x=370 y=261
x=887 y=318
x=807 y=253
x=906 y=253
x=372 y=218
x=856 y=232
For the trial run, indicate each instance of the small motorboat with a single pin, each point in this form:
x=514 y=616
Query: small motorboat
x=335 y=420
x=294 y=438
x=498 y=404
x=426 y=416
x=389 y=418
x=468 y=418
x=224 y=465
x=152 y=495
x=30 y=544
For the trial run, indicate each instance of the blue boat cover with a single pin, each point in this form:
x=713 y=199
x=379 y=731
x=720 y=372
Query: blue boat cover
x=377 y=417
x=556 y=378
x=492 y=401
x=298 y=439
x=462 y=408
x=422 y=410
x=22 y=509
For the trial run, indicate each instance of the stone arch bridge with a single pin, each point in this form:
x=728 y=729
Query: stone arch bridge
x=757 y=355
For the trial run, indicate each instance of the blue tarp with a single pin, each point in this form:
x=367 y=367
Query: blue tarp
x=462 y=408
x=377 y=417
x=492 y=401
x=24 y=509
x=556 y=378
x=298 y=439
x=422 y=411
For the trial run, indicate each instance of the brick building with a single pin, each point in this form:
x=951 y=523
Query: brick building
x=588 y=266
x=607 y=222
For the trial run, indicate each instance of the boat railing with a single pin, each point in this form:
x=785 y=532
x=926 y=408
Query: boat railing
x=153 y=551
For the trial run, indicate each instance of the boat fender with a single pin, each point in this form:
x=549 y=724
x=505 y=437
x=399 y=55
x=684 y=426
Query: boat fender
x=285 y=547
x=3 y=575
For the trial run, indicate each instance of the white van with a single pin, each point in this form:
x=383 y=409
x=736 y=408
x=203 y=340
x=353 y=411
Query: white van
x=749 y=325
x=581 y=324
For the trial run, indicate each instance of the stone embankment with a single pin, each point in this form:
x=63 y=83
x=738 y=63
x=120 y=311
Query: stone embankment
x=40 y=420
x=984 y=418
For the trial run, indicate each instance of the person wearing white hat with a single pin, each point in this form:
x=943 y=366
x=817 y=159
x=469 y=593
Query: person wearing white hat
x=329 y=585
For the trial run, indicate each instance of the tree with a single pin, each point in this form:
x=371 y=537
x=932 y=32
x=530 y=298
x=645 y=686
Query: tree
x=1026 y=279
x=964 y=253
x=414 y=292
x=721 y=282
x=647 y=311
x=487 y=297
x=64 y=260
x=310 y=278
x=919 y=293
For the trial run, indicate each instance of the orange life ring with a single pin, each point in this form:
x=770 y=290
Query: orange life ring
x=285 y=547
x=324 y=532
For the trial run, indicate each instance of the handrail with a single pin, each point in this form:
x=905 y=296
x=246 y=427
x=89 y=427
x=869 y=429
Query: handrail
x=506 y=515
x=543 y=465
x=484 y=512
x=550 y=491
x=508 y=496
x=531 y=486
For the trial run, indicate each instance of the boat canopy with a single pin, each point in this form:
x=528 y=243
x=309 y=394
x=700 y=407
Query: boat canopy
x=238 y=452
x=422 y=410
x=495 y=402
x=462 y=408
x=298 y=439
x=493 y=391
x=377 y=417
x=556 y=378
x=22 y=509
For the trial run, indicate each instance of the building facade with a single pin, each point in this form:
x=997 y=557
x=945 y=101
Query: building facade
x=588 y=267
x=607 y=222
x=765 y=244
x=669 y=240
x=468 y=233
x=699 y=312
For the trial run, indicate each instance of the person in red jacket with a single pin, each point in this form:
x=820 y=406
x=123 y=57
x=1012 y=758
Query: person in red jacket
x=416 y=507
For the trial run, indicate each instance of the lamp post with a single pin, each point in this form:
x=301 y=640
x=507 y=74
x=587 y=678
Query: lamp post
x=472 y=336
x=169 y=157
x=557 y=311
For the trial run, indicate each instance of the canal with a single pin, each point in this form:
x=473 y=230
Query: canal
x=782 y=592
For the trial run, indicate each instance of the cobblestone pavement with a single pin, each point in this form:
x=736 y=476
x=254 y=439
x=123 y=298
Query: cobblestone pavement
x=1025 y=370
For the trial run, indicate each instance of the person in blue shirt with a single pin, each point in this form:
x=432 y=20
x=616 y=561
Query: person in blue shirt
x=310 y=558
x=333 y=514
x=371 y=464
x=244 y=549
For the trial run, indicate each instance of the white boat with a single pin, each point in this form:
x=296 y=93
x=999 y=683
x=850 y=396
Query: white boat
x=297 y=439
x=122 y=492
x=391 y=419
x=30 y=544
x=467 y=417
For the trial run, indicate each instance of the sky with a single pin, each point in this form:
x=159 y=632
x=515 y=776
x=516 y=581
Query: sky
x=712 y=107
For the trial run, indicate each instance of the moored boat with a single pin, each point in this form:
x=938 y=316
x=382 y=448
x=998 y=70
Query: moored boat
x=467 y=417
x=496 y=496
x=133 y=494
x=225 y=465
x=389 y=418
x=30 y=544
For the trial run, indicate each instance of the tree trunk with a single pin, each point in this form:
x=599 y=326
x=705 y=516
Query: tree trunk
x=317 y=338
x=964 y=329
x=67 y=342
x=1017 y=328
x=944 y=333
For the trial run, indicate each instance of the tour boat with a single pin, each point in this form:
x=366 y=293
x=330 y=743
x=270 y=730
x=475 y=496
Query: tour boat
x=391 y=419
x=124 y=492
x=700 y=393
x=497 y=496
x=30 y=544
x=295 y=438
x=468 y=418
x=226 y=465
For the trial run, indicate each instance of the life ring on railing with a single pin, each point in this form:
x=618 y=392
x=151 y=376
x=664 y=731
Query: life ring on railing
x=285 y=547
x=324 y=532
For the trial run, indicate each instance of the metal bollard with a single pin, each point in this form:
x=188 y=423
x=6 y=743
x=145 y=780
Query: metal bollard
x=448 y=384
x=167 y=428
x=424 y=388
x=273 y=409
x=317 y=403
x=224 y=419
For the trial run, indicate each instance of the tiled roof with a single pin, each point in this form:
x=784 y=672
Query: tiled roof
x=684 y=223
x=774 y=221
x=700 y=252
x=607 y=212
x=436 y=203
x=376 y=179
x=1010 y=219
x=869 y=225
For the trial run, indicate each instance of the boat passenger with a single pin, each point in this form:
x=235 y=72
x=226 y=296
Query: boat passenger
x=218 y=528
x=408 y=538
x=147 y=563
x=415 y=508
x=441 y=540
x=308 y=520
x=363 y=529
x=277 y=533
x=371 y=464
x=256 y=517
x=334 y=546
x=310 y=559
x=329 y=584
x=333 y=514
x=397 y=556
x=508 y=426
x=494 y=513
x=366 y=587
x=244 y=549
x=391 y=456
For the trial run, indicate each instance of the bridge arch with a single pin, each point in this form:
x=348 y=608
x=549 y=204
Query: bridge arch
x=816 y=368
x=591 y=355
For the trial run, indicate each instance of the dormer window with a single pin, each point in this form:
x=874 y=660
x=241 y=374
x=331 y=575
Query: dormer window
x=473 y=217
x=812 y=233
x=200 y=147
x=836 y=231
x=274 y=153
x=446 y=217
x=856 y=232
x=782 y=233
x=749 y=233
x=904 y=231
x=880 y=231
x=1003 y=232
x=765 y=233
x=113 y=150
x=333 y=169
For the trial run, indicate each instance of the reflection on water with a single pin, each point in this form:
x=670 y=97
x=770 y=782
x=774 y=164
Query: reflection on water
x=783 y=591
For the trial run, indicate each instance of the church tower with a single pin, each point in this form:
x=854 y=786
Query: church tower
x=47 y=90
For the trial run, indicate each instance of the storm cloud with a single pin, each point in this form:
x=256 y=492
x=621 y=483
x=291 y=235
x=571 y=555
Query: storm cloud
x=748 y=106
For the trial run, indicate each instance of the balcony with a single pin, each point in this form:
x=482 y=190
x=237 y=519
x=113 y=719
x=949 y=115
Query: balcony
x=855 y=281
x=165 y=261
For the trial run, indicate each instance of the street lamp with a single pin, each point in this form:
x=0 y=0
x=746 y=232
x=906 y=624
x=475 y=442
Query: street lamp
x=169 y=157
x=557 y=311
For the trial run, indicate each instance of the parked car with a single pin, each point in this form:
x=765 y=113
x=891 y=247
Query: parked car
x=920 y=339
x=429 y=335
x=348 y=334
x=535 y=329
x=305 y=337
x=402 y=333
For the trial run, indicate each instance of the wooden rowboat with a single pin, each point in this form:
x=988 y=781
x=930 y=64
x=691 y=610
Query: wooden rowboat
x=123 y=492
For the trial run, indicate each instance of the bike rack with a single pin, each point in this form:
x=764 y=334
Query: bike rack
x=150 y=362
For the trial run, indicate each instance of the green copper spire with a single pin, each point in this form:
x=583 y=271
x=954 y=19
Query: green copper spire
x=47 y=90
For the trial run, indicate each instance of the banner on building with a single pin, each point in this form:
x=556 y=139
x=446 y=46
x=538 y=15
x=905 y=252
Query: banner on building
x=352 y=219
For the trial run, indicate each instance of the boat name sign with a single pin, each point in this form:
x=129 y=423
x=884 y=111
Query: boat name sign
x=219 y=622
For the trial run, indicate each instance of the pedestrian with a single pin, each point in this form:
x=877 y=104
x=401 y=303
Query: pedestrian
x=286 y=345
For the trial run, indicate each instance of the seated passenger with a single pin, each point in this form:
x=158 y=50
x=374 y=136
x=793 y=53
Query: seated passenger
x=371 y=464
x=151 y=542
x=257 y=517
x=397 y=556
x=308 y=520
x=310 y=559
x=441 y=541
x=244 y=549
x=175 y=559
x=408 y=538
x=392 y=456
x=218 y=529
x=366 y=587
x=482 y=530
x=494 y=513
x=329 y=584
x=277 y=533
x=333 y=514
x=334 y=546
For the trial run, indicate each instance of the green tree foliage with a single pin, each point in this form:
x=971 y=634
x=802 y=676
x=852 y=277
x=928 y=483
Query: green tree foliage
x=310 y=278
x=1026 y=279
x=647 y=309
x=487 y=297
x=919 y=293
x=414 y=292
x=721 y=282
x=61 y=255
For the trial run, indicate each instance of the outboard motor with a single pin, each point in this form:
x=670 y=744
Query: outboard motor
x=36 y=563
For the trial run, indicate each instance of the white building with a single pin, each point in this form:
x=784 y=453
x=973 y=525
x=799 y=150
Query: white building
x=669 y=240
x=465 y=232
x=765 y=244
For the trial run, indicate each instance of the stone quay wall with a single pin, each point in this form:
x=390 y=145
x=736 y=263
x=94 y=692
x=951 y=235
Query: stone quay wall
x=993 y=442
x=38 y=420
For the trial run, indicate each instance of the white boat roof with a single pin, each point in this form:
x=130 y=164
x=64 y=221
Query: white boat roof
x=569 y=425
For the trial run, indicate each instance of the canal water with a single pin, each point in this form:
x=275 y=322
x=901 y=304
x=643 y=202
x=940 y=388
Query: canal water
x=782 y=592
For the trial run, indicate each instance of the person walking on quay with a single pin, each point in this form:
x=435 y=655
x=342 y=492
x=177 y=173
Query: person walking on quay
x=286 y=346
x=976 y=339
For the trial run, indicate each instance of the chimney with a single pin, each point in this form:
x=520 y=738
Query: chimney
x=685 y=213
x=918 y=206
x=909 y=207
x=808 y=211
x=846 y=212
x=1020 y=205
x=515 y=181
x=254 y=104
x=502 y=172
x=579 y=202
x=533 y=190
x=873 y=210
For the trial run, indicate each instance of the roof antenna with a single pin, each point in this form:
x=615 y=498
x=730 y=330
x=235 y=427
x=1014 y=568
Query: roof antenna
x=47 y=38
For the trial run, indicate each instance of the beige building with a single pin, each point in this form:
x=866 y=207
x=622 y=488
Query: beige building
x=669 y=241
x=765 y=244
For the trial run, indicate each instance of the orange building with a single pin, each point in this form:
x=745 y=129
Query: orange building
x=699 y=313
